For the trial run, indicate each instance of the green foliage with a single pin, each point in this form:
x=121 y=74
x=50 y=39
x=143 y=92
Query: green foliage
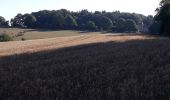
x=4 y=37
x=105 y=23
x=164 y=2
x=120 y=25
x=2 y=19
x=155 y=27
x=148 y=20
x=163 y=17
x=57 y=20
x=136 y=17
x=131 y=26
x=29 y=20
x=123 y=25
x=64 y=19
x=18 y=21
x=3 y=22
x=70 y=22
x=91 y=25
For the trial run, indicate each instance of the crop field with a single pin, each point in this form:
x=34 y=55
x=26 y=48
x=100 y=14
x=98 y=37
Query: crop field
x=88 y=67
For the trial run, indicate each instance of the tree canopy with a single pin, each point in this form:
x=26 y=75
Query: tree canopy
x=84 y=20
x=29 y=20
x=70 y=22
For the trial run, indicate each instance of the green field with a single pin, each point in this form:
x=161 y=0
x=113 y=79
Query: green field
x=30 y=34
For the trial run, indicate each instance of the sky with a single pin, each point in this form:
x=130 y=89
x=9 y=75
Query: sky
x=10 y=8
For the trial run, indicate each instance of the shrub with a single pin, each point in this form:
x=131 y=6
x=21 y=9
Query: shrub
x=5 y=37
x=23 y=39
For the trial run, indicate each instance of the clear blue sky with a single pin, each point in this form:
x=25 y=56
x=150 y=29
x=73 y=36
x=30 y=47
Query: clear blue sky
x=9 y=8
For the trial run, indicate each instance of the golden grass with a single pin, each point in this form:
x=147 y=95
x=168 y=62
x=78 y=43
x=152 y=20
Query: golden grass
x=131 y=67
x=18 y=47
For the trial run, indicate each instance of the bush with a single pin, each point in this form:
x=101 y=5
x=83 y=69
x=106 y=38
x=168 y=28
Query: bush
x=5 y=37
x=23 y=39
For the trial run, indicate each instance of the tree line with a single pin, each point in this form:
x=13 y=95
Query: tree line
x=83 y=20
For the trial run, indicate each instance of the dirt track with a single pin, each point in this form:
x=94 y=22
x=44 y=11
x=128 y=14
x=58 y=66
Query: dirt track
x=18 y=47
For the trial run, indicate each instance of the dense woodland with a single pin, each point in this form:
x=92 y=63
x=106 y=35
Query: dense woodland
x=83 y=20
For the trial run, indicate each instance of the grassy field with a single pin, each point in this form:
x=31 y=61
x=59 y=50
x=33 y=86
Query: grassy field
x=30 y=34
x=89 y=67
x=19 y=47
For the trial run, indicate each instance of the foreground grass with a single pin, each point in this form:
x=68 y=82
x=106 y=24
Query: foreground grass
x=131 y=70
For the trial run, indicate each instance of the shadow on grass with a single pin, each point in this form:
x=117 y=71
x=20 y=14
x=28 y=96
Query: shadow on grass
x=133 y=70
x=50 y=30
x=43 y=30
x=86 y=31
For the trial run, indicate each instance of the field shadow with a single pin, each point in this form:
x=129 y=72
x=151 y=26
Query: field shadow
x=84 y=32
x=87 y=31
x=133 y=70
x=42 y=30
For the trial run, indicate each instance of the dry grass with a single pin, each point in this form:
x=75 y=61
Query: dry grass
x=109 y=68
x=18 y=47
x=86 y=67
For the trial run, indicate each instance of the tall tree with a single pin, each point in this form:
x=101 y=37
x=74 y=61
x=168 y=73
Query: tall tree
x=163 y=16
x=155 y=28
x=18 y=21
x=3 y=22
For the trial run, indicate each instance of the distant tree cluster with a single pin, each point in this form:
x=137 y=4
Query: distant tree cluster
x=84 y=20
x=3 y=22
